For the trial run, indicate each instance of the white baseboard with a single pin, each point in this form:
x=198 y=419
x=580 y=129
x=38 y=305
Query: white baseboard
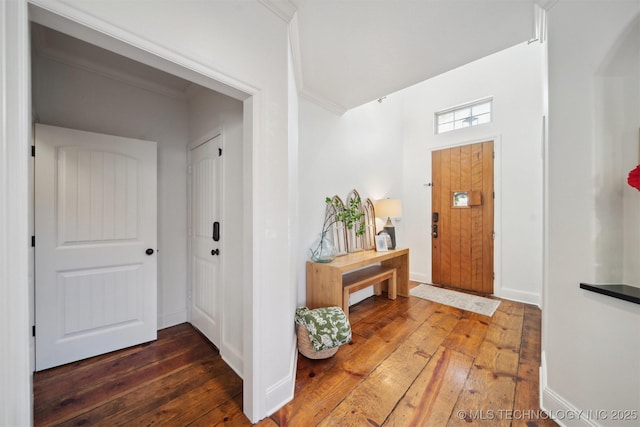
x=172 y=319
x=419 y=277
x=281 y=393
x=360 y=295
x=519 y=296
x=233 y=358
x=559 y=409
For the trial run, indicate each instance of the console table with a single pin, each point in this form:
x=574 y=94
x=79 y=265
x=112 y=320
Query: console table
x=324 y=280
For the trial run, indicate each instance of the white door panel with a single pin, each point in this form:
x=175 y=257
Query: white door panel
x=95 y=213
x=206 y=296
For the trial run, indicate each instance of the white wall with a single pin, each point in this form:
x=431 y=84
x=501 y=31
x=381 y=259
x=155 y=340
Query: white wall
x=384 y=150
x=513 y=77
x=591 y=342
x=68 y=96
x=361 y=149
x=209 y=112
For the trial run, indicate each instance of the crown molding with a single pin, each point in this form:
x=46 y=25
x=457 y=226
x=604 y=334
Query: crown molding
x=283 y=9
x=296 y=53
x=296 y=59
x=322 y=101
x=546 y=4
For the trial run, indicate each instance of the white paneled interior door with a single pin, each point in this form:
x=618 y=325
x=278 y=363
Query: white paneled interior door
x=96 y=240
x=205 y=238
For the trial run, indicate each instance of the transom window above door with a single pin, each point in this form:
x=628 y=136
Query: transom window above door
x=464 y=116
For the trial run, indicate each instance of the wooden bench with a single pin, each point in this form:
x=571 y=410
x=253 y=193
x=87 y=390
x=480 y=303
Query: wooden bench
x=360 y=279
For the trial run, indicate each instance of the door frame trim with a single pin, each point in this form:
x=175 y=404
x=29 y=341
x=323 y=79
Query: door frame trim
x=15 y=225
x=497 y=205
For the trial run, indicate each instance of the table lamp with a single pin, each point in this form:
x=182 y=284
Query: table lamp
x=389 y=208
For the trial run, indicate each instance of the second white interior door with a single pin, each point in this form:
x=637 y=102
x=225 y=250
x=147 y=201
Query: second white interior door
x=205 y=238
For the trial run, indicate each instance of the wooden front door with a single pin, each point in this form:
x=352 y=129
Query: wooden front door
x=462 y=217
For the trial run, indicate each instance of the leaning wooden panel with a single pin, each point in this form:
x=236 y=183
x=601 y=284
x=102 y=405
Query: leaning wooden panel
x=337 y=231
x=355 y=243
x=370 y=225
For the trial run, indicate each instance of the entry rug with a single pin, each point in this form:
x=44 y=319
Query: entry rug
x=480 y=305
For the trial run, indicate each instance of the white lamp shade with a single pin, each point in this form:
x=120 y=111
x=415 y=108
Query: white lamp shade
x=388 y=208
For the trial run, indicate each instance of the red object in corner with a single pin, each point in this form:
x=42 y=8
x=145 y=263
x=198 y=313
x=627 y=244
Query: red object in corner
x=634 y=178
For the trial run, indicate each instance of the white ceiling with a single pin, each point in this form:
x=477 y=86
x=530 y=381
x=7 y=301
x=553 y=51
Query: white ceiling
x=349 y=52
x=355 y=51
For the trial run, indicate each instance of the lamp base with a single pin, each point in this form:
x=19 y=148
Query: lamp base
x=391 y=231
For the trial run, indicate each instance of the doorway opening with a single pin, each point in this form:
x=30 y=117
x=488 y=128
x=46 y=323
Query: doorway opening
x=180 y=86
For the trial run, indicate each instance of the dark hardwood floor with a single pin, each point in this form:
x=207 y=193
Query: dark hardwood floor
x=411 y=363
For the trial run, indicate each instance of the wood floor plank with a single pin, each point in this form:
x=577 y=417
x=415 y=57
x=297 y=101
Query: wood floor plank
x=432 y=397
x=531 y=346
x=488 y=393
x=198 y=400
x=499 y=360
x=367 y=307
x=374 y=398
x=371 y=324
x=511 y=308
x=228 y=413
x=468 y=334
x=323 y=392
x=74 y=374
x=500 y=350
x=527 y=398
x=105 y=371
x=506 y=336
x=76 y=401
x=148 y=397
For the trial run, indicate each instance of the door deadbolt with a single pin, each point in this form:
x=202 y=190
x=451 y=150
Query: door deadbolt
x=215 y=251
x=149 y=251
x=216 y=231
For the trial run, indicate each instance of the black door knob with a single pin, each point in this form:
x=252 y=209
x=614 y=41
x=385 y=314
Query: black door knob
x=215 y=252
x=149 y=251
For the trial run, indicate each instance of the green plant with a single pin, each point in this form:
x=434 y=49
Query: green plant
x=349 y=215
x=323 y=250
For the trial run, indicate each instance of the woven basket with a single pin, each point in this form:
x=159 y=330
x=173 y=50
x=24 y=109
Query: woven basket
x=306 y=348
